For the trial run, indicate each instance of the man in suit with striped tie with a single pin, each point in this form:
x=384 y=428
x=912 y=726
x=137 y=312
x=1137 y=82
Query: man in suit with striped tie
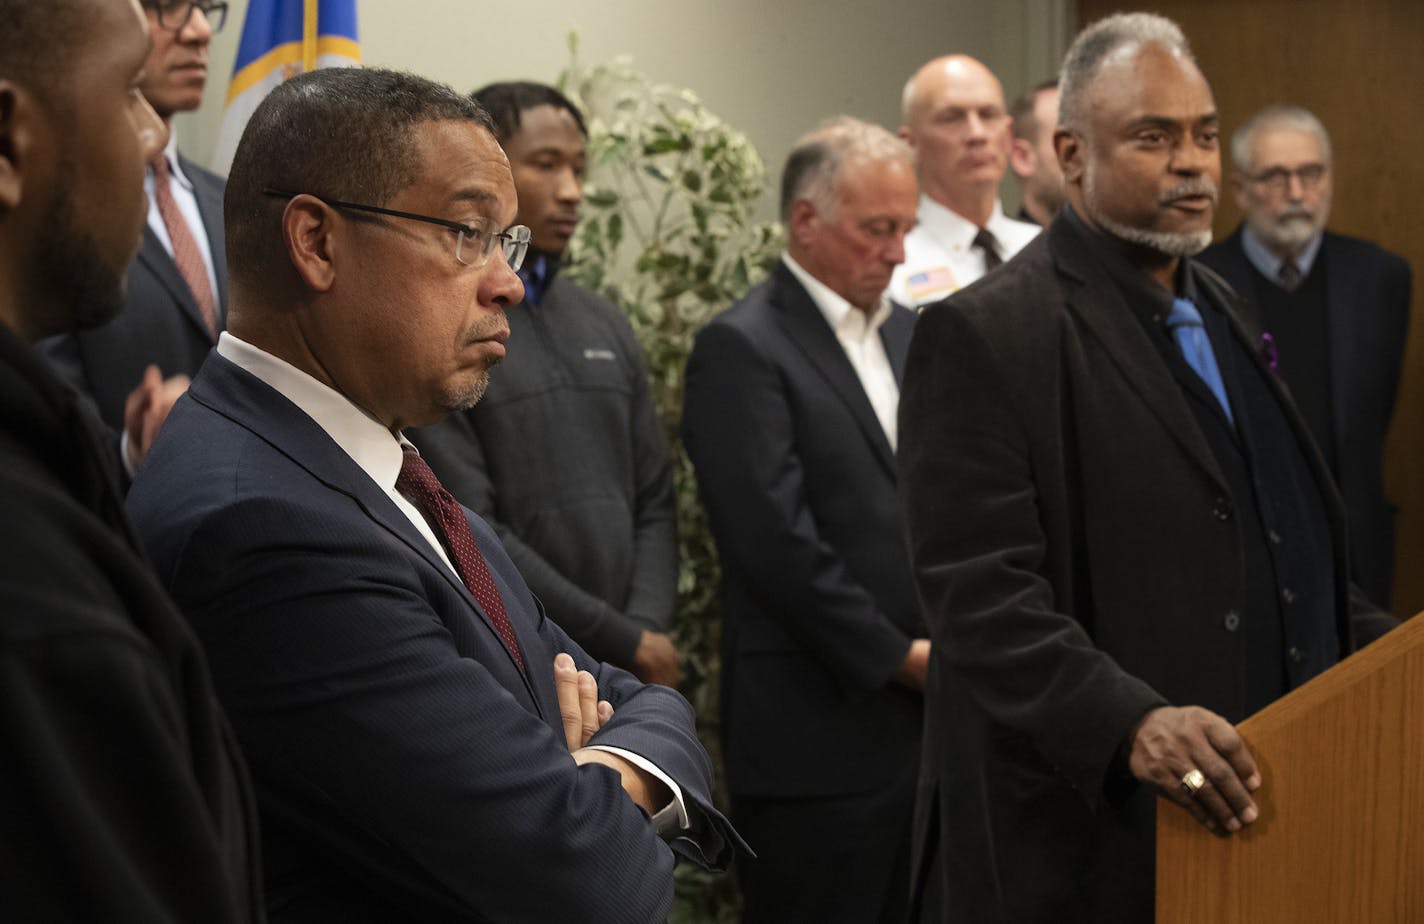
x=175 y=303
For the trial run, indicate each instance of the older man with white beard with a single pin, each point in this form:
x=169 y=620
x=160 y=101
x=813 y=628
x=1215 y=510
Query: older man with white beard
x=1123 y=536
x=1336 y=309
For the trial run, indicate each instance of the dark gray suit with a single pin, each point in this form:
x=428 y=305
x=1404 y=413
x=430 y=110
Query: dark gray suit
x=160 y=323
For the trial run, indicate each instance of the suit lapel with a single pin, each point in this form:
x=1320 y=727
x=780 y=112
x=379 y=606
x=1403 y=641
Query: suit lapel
x=808 y=330
x=1095 y=299
x=231 y=391
x=153 y=255
x=895 y=335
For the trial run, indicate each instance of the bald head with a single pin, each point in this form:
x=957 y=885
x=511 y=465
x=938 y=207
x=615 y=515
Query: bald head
x=956 y=122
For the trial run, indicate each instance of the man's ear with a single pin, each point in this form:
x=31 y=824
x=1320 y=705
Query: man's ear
x=18 y=110
x=801 y=226
x=309 y=231
x=1068 y=146
x=1022 y=158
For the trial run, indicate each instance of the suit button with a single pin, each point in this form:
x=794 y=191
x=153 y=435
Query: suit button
x=1274 y=536
x=1221 y=509
x=1295 y=654
x=1232 y=621
x=1287 y=595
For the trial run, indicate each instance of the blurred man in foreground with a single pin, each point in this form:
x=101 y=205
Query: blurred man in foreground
x=124 y=795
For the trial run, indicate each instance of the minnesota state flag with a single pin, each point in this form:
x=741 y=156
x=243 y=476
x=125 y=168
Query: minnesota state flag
x=280 y=39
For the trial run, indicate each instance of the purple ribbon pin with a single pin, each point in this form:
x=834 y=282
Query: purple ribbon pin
x=1268 y=350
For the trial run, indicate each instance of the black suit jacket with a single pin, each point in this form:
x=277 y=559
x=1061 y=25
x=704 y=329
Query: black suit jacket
x=160 y=322
x=819 y=602
x=1079 y=567
x=1368 y=308
x=405 y=768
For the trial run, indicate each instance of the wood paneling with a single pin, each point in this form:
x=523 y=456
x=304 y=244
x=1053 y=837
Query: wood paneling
x=1360 y=67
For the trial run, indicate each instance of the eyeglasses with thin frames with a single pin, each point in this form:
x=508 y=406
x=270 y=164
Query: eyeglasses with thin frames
x=474 y=242
x=173 y=15
x=1278 y=179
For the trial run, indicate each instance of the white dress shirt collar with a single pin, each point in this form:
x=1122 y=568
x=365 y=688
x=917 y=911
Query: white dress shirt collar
x=175 y=165
x=841 y=315
x=366 y=440
x=859 y=337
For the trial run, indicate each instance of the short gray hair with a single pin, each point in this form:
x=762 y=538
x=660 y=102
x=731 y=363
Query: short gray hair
x=1275 y=118
x=1092 y=47
x=814 y=165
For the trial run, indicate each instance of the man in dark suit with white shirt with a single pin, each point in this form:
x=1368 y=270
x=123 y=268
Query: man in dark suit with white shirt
x=175 y=304
x=426 y=743
x=1336 y=308
x=790 y=421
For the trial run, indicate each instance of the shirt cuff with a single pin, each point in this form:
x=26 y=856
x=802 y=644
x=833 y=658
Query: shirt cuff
x=672 y=817
x=124 y=457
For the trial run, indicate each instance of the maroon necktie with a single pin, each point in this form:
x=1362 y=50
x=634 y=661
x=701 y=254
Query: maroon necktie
x=1290 y=275
x=418 y=483
x=186 y=255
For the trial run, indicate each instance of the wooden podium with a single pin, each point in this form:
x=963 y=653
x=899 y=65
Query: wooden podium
x=1341 y=832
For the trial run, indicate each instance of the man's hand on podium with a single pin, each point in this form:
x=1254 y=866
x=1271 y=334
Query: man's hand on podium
x=1170 y=746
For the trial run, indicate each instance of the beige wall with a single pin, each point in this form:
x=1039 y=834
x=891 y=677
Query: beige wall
x=772 y=69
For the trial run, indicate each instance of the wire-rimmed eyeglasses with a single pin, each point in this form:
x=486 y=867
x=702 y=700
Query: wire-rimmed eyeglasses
x=173 y=15
x=474 y=241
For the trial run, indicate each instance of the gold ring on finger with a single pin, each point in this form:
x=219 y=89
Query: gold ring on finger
x=1192 y=781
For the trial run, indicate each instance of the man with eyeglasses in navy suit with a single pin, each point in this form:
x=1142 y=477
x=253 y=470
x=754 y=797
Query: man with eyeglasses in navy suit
x=427 y=744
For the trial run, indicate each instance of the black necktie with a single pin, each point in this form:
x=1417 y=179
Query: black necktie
x=986 y=242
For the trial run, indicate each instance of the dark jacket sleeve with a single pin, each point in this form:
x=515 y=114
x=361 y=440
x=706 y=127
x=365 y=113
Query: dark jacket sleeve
x=653 y=593
x=739 y=428
x=979 y=549
x=122 y=799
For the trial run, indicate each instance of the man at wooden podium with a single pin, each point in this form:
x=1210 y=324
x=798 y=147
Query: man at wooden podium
x=1124 y=536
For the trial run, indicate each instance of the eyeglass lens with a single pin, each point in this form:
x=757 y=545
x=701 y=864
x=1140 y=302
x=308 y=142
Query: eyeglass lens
x=513 y=244
x=174 y=16
x=1280 y=177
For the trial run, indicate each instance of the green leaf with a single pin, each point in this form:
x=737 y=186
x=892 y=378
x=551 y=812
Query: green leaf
x=600 y=198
